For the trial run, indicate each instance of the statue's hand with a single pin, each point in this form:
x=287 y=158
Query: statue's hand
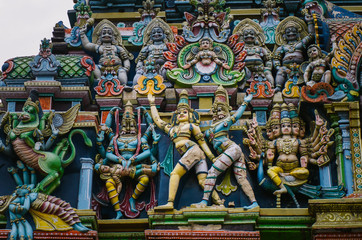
x=155 y=167
x=151 y=98
x=100 y=136
x=55 y=131
x=186 y=66
x=226 y=66
x=248 y=98
x=38 y=146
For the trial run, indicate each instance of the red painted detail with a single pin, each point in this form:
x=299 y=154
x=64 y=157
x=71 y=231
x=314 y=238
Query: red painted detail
x=90 y=67
x=201 y=235
x=232 y=40
x=307 y=92
x=170 y=56
x=9 y=69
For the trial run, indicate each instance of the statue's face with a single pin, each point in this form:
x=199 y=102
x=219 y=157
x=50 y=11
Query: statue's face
x=249 y=36
x=313 y=52
x=183 y=115
x=269 y=133
x=107 y=35
x=29 y=114
x=276 y=130
x=286 y=128
x=302 y=131
x=219 y=113
x=105 y=168
x=205 y=44
x=296 y=129
x=291 y=34
x=157 y=34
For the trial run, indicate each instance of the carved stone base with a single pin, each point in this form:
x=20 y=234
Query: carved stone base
x=91 y=235
x=201 y=235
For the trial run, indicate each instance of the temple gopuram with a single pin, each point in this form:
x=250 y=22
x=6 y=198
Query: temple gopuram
x=200 y=119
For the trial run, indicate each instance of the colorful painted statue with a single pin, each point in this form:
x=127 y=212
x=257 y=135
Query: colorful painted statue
x=292 y=39
x=318 y=68
x=230 y=154
x=107 y=43
x=128 y=154
x=27 y=134
x=44 y=208
x=293 y=152
x=150 y=59
x=184 y=125
x=205 y=59
x=288 y=148
x=259 y=58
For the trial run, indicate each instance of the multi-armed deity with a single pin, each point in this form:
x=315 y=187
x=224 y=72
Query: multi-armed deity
x=128 y=154
x=203 y=54
x=287 y=152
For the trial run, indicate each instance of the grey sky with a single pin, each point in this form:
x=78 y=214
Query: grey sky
x=23 y=23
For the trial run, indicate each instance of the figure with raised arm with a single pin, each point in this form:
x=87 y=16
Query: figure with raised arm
x=230 y=154
x=184 y=125
x=107 y=43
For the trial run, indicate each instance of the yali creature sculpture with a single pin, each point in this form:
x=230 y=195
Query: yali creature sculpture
x=31 y=136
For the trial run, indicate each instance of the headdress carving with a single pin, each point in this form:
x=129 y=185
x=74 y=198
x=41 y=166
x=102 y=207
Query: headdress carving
x=221 y=99
x=158 y=22
x=247 y=23
x=290 y=21
x=284 y=116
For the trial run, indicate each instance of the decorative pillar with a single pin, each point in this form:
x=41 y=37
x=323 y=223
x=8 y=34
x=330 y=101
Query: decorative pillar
x=85 y=183
x=347 y=159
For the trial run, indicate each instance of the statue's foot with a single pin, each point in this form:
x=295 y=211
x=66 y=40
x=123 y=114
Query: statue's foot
x=253 y=205
x=128 y=88
x=132 y=203
x=281 y=190
x=119 y=215
x=168 y=206
x=80 y=227
x=201 y=204
x=277 y=89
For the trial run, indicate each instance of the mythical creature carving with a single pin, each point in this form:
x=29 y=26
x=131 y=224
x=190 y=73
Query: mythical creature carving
x=31 y=135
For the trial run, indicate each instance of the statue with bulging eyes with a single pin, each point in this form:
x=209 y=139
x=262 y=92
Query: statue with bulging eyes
x=107 y=43
x=259 y=58
x=292 y=38
x=150 y=59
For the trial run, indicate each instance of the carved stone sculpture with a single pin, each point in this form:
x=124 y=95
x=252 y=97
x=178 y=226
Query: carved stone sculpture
x=184 y=125
x=128 y=154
